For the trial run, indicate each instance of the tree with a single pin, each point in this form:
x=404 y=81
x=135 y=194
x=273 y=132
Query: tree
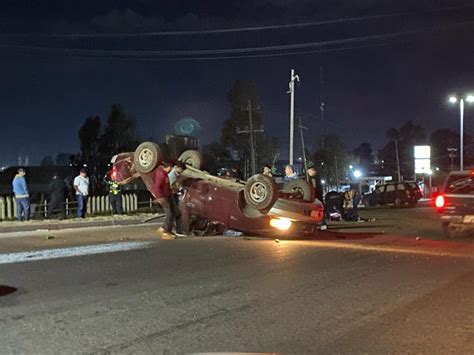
x=89 y=138
x=406 y=138
x=119 y=134
x=215 y=156
x=63 y=159
x=333 y=159
x=394 y=136
x=47 y=161
x=238 y=97
x=364 y=154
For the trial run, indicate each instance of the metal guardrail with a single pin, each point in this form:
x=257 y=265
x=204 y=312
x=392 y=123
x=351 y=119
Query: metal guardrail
x=95 y=205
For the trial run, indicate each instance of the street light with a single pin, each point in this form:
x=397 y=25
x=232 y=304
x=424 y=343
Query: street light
x=357 y=174
x=453 y=99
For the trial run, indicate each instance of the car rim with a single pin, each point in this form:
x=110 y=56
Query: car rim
x=258 y=192
x=145 y=157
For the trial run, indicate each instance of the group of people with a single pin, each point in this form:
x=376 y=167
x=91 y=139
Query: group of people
x=334 y=201
x=58 y=191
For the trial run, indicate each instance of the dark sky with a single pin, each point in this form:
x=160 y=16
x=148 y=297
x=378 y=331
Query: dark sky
x=46 y=94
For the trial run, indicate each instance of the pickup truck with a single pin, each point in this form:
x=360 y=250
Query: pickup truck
x=455 y=204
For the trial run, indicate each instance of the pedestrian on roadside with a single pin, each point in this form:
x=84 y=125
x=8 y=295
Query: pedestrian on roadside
x=57 y=193
x=176 y=189
x=289 y=174
x=115 y=192
x=81 y=186
x=353 y=196
x=267 y=171
x=22 y=196
x=161 y=189
x=315 y=181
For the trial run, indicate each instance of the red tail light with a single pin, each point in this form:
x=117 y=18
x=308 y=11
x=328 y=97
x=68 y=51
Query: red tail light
x=114 y=174
x=440 y=201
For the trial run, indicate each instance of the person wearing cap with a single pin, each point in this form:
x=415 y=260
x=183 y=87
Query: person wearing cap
x=267 y=171
x=22 y=196
x=81 y=185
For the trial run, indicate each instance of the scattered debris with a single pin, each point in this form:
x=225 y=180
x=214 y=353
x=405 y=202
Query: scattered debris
x=50 y=237
x=277 y=240
x=232 y=233
x=418 y=238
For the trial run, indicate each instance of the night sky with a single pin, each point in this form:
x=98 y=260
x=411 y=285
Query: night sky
x=369 y=85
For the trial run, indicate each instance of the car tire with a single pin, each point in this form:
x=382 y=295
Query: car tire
x=260 y=192
x=147 y=156
x=192 y=158
x=303 y=187
x=449 y=232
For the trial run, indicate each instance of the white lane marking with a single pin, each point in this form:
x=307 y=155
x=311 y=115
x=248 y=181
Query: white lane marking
x=69 y=252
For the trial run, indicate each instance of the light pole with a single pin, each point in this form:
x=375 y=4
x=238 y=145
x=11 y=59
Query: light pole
x=291 y=91
x=453 y=99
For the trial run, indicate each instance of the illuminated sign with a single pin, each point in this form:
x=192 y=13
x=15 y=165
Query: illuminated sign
x=422 y=159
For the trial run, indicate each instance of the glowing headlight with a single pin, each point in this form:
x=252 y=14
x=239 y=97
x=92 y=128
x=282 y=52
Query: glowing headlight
x=280 y=223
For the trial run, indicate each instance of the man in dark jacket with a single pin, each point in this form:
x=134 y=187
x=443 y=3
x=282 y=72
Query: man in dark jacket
x=315 y=181
x=57 y=193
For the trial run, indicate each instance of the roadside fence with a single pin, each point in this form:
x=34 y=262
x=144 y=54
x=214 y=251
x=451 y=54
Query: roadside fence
x=96 y=205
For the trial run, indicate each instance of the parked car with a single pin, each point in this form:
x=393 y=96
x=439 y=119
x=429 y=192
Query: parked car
x=397 y=193
x=256 y=206
x=455 y=204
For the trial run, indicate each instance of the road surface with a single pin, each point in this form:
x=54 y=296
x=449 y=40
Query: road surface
x=377 y=294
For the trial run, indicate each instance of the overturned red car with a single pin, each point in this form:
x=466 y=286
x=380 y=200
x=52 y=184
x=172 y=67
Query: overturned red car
x=254 y=207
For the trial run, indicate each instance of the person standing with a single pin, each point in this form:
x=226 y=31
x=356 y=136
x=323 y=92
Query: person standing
x=175 y=184
x=115 y=192
x=289 y=174
x=57 y=192
x=22 y=196
x=81 y=185
x=315 y=181
x=267 y=171
x=162 y=191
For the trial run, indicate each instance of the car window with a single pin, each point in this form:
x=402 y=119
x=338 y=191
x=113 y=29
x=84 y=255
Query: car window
x=390 y=188
x=460 y=183
x=379 y=189
x=401 y=187
x=412 y=185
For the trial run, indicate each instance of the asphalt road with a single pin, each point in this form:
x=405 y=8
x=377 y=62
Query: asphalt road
x=370 y=295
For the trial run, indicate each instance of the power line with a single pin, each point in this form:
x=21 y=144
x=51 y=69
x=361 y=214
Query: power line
x=159 y=53
x=239 y=29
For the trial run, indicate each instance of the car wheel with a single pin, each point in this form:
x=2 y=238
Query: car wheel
x=192 y=158
x=146 y=157
x=449 y=231
x=302 y=187
x=412 y=203
x=261 y=192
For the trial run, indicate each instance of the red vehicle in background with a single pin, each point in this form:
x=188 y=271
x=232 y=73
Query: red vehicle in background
x=256 y=206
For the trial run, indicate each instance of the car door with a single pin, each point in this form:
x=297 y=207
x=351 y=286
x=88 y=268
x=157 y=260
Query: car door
x=378 y=195
x=390 y=193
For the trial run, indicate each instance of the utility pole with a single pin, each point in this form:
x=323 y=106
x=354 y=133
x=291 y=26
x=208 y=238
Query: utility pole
x=291 y=85
x=321 y=102
x=398 y=159
x=451 y=156
x=251 y=132
x=337 y=174
x=301 y=127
